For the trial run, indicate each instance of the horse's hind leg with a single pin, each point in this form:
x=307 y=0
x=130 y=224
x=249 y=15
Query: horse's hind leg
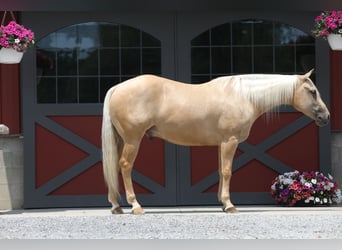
x=129 y=153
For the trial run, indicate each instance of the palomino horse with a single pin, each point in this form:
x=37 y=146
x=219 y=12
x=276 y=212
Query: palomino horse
x=220 y=112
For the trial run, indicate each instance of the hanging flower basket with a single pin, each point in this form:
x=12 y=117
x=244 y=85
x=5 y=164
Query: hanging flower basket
x=15 y=39
x=305 y=188
x=10 y=56
x=328 y=25
x=335 y=41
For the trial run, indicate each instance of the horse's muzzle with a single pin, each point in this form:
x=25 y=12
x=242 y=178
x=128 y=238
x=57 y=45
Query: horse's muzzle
x=322 y=119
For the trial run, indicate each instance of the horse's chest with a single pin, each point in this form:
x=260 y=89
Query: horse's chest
x=237 y=127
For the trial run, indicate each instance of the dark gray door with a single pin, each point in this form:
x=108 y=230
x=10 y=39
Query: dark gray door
x=239 y=43
x=77 y=58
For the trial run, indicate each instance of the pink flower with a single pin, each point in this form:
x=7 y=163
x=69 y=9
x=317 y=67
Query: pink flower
x=16 y=36
x=318 y=18
x=294 y=186
x=297 y=197
x=329 y=22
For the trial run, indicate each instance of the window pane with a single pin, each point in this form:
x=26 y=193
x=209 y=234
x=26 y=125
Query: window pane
x=109 y=61
x=130 y=37
x=109 y=35
x=242 y=60
x=46 y=90
x=201 y=40
x=66 y=38
x=88 y=90
x=149 y=41
x=284 y=59
x=67 y=89
x=305 y=39
x=105 y=84
x=200 y=58
x=242 y=33
x=48 y=42
x=130 y=61
x=220 y=35
x=263 y=60
x=263 y=33
x=46 y=62
x=88 y=35
x=88 y=62
x=220 y=60
x=305 y=56
x=67 y=62
x=285 y=34
x=151 y=61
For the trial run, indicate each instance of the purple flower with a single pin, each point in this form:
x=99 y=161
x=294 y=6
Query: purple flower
x=306 y=186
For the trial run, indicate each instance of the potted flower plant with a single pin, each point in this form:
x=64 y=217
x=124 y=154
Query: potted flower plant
x=328 y=25
x=305 y=188
x=15 y=39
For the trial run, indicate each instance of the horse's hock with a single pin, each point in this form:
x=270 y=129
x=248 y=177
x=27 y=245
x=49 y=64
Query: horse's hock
x=11 y=172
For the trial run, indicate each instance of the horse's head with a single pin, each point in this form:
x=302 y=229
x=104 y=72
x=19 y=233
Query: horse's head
x=307 y=100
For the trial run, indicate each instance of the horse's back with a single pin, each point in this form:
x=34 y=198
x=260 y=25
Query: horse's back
x=151 y=95
x=144 y=85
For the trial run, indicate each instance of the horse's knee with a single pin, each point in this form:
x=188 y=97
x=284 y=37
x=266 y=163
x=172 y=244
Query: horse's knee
x=226 y=173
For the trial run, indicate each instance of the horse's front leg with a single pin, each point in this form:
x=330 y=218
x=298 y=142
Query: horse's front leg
x=227 y=151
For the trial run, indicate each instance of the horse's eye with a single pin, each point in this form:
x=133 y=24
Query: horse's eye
x=313 y=93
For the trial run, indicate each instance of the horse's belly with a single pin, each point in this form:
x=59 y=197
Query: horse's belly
x=186 y=137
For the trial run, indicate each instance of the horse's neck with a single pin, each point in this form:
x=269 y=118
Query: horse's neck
x=267 y=92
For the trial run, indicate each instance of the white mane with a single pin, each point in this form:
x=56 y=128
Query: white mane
x=266 y=91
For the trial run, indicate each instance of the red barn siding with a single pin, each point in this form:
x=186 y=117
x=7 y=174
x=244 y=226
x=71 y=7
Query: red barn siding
x=10 y=92
x=336 y=89
x=10 y=97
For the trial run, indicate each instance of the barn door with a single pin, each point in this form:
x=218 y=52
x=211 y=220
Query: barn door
x=66 y=78
x=285 y=142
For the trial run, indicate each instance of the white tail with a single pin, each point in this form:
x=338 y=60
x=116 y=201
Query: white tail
x=110 y=149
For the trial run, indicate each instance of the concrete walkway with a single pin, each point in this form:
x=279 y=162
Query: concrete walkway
x=253 y=222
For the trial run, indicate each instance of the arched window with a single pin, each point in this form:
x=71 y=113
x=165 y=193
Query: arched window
x=79 y=63
x=251 y=46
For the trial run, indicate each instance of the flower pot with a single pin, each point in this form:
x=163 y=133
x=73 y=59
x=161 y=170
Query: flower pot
x=10 y=56
x=335 y=41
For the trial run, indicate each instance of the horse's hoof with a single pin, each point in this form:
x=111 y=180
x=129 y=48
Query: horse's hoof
x=138 y=210
x=230 y=210
x=117 y=210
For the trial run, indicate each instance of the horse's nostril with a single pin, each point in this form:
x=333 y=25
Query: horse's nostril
x=322 y=119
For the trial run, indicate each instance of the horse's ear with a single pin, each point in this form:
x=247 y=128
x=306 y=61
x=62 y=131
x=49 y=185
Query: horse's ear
x=307 y=75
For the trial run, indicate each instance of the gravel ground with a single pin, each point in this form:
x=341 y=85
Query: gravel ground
x=174 y=223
